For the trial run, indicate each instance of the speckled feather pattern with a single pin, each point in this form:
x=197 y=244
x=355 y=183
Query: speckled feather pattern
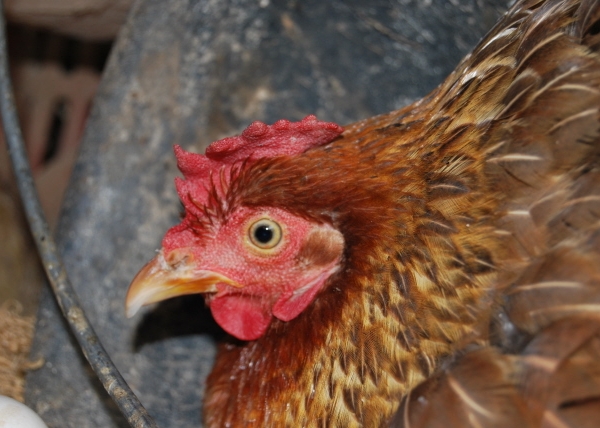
x=478 y=203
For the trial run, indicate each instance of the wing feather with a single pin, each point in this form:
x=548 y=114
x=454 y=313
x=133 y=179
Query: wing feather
x=539 y=139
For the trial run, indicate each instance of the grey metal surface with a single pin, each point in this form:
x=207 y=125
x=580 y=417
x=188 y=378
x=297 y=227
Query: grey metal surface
x=82 y=331
x=189 y=72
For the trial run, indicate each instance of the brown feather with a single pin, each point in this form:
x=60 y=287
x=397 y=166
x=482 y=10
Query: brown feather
x=471 y=222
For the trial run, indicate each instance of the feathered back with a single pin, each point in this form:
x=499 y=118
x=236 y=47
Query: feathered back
x=542 y=152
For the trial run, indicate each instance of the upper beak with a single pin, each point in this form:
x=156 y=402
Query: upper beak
x=163 y=278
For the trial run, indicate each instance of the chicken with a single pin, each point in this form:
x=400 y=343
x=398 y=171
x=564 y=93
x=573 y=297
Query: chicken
x=443 y=259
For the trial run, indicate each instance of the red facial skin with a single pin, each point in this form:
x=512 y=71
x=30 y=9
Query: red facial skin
x=281 y=281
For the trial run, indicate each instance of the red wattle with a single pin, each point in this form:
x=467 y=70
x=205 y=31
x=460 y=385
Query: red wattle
x=241 y=316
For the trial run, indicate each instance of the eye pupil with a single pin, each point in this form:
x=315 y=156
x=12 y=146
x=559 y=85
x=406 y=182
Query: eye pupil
x=263 y=234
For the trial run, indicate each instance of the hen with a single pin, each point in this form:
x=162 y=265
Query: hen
x=454 y=243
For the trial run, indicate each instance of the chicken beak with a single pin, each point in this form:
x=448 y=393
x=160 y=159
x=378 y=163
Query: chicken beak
x=175 y=275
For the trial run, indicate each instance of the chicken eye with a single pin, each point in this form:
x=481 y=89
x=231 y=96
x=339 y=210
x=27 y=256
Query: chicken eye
x=265 y=234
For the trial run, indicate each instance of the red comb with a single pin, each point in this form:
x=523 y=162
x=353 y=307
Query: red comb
x=283 y=138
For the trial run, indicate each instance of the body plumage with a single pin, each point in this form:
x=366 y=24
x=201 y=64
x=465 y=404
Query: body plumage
x=470 y=226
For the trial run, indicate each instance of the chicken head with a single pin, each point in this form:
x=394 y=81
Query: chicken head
x=253 y=263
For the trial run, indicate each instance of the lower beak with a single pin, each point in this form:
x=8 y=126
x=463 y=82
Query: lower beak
x=163 y=278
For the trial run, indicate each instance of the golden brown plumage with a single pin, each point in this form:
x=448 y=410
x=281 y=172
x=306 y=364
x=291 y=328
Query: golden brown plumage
x=471 y=227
